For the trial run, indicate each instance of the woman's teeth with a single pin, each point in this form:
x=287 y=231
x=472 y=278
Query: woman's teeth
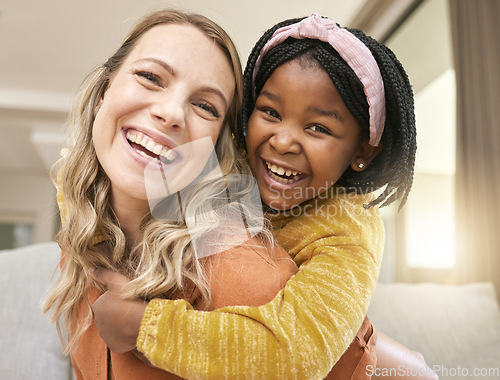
x=279 y=174
x=168 y=155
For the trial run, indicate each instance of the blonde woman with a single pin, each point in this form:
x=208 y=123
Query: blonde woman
x=175 y=81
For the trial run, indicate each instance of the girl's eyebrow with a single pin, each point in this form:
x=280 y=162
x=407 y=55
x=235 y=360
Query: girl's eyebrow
x=270 y=96
x=319 y=111
x=327 y=113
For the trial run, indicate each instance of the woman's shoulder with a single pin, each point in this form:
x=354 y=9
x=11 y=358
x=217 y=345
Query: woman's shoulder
x=250 y=274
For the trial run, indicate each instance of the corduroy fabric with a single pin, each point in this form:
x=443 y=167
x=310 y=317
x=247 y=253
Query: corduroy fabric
x=306 y=328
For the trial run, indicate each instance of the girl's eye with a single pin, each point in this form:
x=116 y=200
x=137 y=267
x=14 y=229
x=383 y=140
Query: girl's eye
x=272 y=113
x=319 y=129
x=209 y=108
x=150 y=77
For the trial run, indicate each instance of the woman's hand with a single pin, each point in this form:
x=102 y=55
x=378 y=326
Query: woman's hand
x=118 y=320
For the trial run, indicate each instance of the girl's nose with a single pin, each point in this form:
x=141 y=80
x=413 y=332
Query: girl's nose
x=285 y=140
x=169 y=112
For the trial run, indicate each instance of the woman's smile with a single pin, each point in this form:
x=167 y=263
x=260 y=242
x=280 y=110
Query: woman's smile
x=161 y=105
x=150 y=149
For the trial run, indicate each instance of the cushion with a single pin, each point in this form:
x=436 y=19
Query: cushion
x=30 y=344
x=455 y=327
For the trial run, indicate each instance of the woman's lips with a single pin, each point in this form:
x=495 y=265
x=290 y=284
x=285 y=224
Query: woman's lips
x=149 y=148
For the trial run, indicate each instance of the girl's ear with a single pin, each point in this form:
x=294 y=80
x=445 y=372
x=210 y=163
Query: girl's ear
x=365 y=155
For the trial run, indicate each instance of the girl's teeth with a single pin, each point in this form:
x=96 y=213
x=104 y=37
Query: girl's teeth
x=280 y=179
x=280 y=171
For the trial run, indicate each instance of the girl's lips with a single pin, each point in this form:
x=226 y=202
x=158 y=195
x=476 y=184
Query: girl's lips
x=282 y=172
x=278 y=182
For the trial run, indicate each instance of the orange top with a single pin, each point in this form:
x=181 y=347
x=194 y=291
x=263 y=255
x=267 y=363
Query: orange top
x=244 y=275
x=92 y=359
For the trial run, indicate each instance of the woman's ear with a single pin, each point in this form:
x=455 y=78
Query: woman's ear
x=365 y=155
x=98 y=106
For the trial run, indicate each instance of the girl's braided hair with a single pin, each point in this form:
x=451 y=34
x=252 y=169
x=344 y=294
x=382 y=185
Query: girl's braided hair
x=393 y=166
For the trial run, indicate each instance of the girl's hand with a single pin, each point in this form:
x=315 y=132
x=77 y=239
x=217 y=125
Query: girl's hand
x=118 y=320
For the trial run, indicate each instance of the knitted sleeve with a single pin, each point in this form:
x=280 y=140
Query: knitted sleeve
x=304 y=330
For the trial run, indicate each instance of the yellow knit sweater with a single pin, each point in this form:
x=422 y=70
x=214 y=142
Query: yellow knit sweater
x=310 y=323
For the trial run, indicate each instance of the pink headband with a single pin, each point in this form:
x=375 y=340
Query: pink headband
x=353 y=52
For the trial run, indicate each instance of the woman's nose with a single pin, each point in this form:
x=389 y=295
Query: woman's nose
x=169 y=111
x=285 y=140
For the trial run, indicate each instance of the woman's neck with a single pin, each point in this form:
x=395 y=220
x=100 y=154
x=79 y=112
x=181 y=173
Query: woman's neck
x=129 y=213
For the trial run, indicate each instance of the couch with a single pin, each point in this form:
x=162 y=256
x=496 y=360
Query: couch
x=456 y=328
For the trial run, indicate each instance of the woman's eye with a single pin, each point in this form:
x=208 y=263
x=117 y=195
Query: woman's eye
x=150 y=77
x=209 y=108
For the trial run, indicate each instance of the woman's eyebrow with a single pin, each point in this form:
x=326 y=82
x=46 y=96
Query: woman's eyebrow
x=217 y=92
x=171 y=70
x=160 y=62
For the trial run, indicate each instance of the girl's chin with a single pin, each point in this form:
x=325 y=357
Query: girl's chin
x=280 y=204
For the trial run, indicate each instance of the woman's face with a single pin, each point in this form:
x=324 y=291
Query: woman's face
x=301 y=136
x=174 y=88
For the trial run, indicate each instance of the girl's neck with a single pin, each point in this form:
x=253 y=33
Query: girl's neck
x=129 y=213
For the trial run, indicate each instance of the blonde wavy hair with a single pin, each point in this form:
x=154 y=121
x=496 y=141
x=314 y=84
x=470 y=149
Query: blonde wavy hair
x=165 y=260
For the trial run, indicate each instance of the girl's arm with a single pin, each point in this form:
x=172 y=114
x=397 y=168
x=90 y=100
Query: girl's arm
x=395 y=361
x=304 y=330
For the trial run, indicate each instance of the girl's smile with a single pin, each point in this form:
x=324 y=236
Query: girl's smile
x=282 y=174
x=301 y=136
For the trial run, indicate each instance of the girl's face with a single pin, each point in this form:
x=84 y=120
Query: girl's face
x=175 y=87
x=301 y=136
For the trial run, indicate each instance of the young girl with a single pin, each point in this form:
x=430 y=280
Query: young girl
x=327 y=118
x=175 y=82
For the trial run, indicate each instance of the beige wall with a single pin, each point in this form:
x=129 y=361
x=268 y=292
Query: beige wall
x=29 y=198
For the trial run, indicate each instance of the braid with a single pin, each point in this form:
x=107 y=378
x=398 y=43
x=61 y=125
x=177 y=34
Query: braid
x=392 y=169
x=345 y=81
x=394 y=166
x=248 y=99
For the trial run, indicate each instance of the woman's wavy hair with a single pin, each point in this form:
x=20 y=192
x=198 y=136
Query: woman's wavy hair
x=165 y=262
x=393 y=167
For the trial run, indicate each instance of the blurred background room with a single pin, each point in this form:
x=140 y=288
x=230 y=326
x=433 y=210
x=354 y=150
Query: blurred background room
x=443 y=240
